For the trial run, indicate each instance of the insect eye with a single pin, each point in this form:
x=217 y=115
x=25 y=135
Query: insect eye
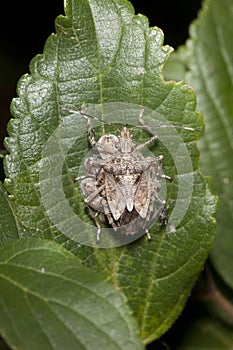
x=109 y=139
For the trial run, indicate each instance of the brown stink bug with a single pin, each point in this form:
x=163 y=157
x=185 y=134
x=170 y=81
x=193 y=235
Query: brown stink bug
x=121 y=185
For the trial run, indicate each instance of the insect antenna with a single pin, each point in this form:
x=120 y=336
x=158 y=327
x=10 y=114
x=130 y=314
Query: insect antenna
x=88 y=116
x=141 y=121
x=145 y=127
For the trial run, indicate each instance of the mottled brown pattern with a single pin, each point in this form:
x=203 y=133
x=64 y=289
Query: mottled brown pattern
x=122 y=185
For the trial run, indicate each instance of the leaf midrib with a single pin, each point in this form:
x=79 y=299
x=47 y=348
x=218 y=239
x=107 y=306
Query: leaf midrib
x=49 y=301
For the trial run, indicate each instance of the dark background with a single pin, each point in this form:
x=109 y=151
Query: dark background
x=25 y=26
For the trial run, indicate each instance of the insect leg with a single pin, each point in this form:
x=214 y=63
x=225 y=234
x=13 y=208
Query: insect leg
x=162 y=176
x=163 y=216
x=90 y=131
x=90 y=198
x=148 y=235
x=160 y=165
x=93 y=217
x=76 y=179
x=147 y=142
x=141 y=113
x=160 y=199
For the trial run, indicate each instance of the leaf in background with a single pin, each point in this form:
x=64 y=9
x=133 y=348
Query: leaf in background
x=49 y=301
x=103 y=53
x=211 y=74
x=8 y=226
x=176 y=66
x=206 y=334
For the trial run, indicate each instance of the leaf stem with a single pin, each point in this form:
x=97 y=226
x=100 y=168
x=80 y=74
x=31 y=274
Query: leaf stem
x=215 y=296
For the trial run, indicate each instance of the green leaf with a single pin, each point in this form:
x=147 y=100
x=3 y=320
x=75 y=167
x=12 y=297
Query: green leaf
x=105 y=57
x=176 y=66
x=49 y=301
x=8 y=225
x=206 y=334
x=211 y=74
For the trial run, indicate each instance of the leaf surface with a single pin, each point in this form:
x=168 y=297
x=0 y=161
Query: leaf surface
x=103 y=54
x=49 y=301
x=8 y=225
x=210 y=60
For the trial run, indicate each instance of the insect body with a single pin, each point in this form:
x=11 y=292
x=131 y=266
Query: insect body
x=122 y=185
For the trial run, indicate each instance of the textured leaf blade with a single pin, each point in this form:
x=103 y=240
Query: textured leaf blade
x=48 y=300
x=8 y=226
x=162 y=280
x=211 y=74
x=89 y=61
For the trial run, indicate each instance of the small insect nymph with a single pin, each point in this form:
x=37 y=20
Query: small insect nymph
x=121 y=185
